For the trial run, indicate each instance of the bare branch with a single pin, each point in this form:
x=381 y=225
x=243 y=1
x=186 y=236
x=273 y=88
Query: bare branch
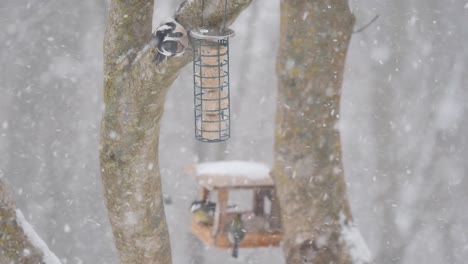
x=361 y=29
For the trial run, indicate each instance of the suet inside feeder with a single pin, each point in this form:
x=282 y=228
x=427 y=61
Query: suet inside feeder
x=234 y=188
x=211 y=82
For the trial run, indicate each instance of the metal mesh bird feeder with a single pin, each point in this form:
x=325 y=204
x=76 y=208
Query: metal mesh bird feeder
x=211 y=81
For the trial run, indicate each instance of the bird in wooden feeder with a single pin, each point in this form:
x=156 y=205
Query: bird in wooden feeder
x=234 y=226
x=170 y=40
x=203 y=212
x=236 y=233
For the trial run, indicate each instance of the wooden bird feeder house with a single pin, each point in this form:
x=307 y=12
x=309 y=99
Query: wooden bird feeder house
x=223 y=182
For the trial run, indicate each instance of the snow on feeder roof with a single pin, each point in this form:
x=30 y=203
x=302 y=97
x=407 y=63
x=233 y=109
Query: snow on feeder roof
x=231 y=174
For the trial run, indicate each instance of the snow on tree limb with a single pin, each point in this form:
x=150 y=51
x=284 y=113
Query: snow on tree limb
x=48 y=256
x=19 y=243
x=352 y=237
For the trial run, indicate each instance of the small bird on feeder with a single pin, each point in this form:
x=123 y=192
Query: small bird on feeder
x=170 y=40
x=203 y=211
x=236 y=233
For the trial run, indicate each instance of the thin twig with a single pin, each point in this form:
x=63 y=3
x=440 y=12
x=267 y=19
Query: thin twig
x=366 y=25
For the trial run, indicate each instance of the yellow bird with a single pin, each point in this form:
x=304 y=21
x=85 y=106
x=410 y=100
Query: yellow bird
x=203 y=212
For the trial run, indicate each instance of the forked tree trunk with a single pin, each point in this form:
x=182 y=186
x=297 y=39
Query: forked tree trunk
x=308 y=169
x=134 y=94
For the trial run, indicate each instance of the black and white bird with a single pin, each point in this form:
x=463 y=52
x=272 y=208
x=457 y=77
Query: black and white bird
x=170 y=39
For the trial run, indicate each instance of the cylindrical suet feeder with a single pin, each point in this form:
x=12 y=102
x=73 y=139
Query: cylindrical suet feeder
x=211 y=82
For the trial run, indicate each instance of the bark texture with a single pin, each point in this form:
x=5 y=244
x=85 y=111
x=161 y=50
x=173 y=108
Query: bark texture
x=15 y=246
x=308 y=169
x=134 y=93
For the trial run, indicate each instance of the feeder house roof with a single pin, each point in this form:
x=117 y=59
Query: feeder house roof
x=231 y=174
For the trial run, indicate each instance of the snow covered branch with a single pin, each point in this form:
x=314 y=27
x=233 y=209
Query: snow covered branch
x=19 y=243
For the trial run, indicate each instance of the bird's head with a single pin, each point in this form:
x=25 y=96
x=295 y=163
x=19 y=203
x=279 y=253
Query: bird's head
x=195 y=206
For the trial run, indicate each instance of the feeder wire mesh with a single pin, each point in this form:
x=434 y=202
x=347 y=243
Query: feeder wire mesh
x=211 y=81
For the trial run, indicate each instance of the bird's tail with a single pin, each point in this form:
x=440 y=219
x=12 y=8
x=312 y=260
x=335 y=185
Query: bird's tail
x=159 y=58
x=235 y=249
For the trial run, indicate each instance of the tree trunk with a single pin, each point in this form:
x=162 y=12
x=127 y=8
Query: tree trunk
x=134 y=93
x=308 y=168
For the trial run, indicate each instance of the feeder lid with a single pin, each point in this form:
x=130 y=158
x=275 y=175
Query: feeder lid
x=231 y=174
x=212 y=33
